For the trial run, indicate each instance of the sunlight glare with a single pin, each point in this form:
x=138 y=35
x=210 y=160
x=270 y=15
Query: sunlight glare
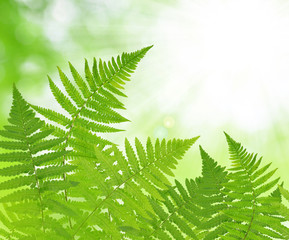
x=233 y=57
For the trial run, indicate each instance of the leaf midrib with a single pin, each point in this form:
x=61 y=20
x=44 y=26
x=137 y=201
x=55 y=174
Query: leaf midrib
x=108 y=196
x=165 y=220
x=89 y=97
x=77 y=115
x=35 y=170
x=253 y=192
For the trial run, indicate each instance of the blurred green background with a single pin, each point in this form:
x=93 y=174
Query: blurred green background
x=216 y=66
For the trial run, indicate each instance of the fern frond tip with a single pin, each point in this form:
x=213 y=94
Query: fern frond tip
x=231 y=142
x=202 y=151
x=149 y=47
x=204 y=154
x=14 y=87
x=194 y=139
x=16 y=92
x=227 y=135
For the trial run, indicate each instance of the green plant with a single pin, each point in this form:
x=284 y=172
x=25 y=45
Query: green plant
x=64 y=181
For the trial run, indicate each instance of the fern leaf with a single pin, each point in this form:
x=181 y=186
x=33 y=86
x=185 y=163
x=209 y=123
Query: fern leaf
x=20 y=195
x=54 y=171
x=80 y=82
x=28 y=181
x=124 y=178
x=90 y=106
x=250 y=216
x=191 y=212
x=12 y=134
x=14 y=157
x=16 y=169
x=13 y=145
x=70 y=89
x=52 y=115
x=88 y=98
x=17 y=182
x=89 y=102
x=65 y=103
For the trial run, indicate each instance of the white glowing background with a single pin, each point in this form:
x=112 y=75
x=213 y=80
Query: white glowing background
x=228 y=60
x=224 y=61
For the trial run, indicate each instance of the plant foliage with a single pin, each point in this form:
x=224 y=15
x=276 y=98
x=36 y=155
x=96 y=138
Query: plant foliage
x=61 y=179
x=33 y=175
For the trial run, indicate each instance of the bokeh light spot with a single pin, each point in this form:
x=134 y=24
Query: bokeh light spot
x=169 y=122
x=160 y=132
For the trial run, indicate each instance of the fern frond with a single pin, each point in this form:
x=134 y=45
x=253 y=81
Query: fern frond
x=282 y=209
x=90 y=101
x=29 y=172
x=210 y=197
x=192 y=211
x=108 y=178
x=251 y=214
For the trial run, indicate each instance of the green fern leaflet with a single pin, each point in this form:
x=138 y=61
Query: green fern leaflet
x=32 y=175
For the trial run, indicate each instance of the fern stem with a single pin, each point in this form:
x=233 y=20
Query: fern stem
x=253 y=194
x=253 y=207
x=36 y=178
x=77 y=115
x=109 y=217
x=40 y=198
x=165 y=220
x=69 y=134
x=115 y=189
